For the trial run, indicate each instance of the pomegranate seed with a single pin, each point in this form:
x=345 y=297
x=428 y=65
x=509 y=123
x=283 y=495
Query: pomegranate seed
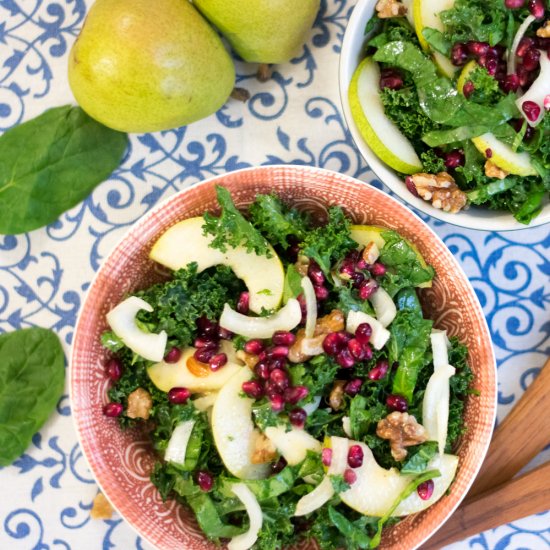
x=355 y=456
x=202 y=342
x=363 y=333
x=332 y=343
x=491 y=66
x=283 y=338
x=276 y=363
x=279 y=466
x=173 y=355
x=378 y=269
x=218 y=361
x=379 y=371
x=204 y=354
x=425 y=490
x=178 y=396
x=531 y=110
x=297 y=417
x=468 y=89
x=253 y=388
x=525 y=44
x=326 y=456
x=255 y=347
x=295 y=393
x=411 y=186
x=345 y=359
x=112 y=410
x=271 y=389
x=350 y=477
x=358 y=351
x=353 y=387
x=531 y=60
x=206 y=327
x=315 y=273
x=279 y=377
x=114 y=369
x=514 y=4
x=362 y=264
x=205 y=481
x=477 y=48
x=511 y=83
x=357 y=279
x=367 y=289
x=243 y=304
x=391 y=78
x=347 y=268
x=277 y=351
x=225 y=334
x=459 y=54
x=397 y=403
x=321 y=293
x=262 y=370
x=454 y=159
x=277 y=403
x=536 y=7
x=488 y=153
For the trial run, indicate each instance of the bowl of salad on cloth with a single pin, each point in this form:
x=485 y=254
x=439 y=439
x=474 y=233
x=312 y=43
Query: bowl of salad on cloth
x=448 y=101
x=281 y=357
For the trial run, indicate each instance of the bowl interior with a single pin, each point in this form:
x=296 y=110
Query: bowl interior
x=122 y=461
x=474 y=218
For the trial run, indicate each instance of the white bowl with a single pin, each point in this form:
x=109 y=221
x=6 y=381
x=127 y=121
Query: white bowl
x=474 y=217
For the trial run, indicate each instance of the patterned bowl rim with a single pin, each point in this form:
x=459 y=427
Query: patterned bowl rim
x=478 y=218
x=482 y=448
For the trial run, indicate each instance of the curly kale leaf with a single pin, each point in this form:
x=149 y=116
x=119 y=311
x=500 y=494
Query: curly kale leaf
x=395 y=28
x=486 y=87
x=179 y=302
x=317 y=374
x=278 y=223
x=331 y=242
x=431 y=163
x=232 y=229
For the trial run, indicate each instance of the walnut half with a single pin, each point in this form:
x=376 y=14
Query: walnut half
x=140 y=404
x=402 y=430
x=544 y=31
x=390 y=8
x=439 y=189
x=493 y=171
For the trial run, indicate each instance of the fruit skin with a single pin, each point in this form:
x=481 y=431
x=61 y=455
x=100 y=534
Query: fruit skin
x=142 y=66
x=368 y=113
x=262 y=31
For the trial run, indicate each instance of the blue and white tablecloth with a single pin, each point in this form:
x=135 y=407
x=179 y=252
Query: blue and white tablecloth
x=46 y=495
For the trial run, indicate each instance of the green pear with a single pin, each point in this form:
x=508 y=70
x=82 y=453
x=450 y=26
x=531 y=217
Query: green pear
x=143 y=66
x=262 y=31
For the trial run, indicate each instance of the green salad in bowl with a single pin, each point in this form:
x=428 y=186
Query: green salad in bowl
x=290 y=383
x=454 y=96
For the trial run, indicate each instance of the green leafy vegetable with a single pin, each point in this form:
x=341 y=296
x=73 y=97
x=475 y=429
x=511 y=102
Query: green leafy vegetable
x=32 y=376
x=51 y=163
x=232 y=229
x=208 y=518
x=338 y=483
x=419 y=458
x=293 y=283
x=355 y=534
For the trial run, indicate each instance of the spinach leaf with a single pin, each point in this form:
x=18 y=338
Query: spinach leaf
x=232 y=229
x=52 y=162
x=32 y=377
x=293 y=283
x=419 y=459
x=483 y=193
x=355 y=534
x=209 y=519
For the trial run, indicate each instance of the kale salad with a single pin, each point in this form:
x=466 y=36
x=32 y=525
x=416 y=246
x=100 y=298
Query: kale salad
x=455 y=96
x=291 y=385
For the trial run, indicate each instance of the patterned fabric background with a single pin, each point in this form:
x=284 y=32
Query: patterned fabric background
x=296 y=117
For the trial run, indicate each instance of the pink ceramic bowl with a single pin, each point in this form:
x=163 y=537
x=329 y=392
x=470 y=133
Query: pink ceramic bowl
x=121 y=462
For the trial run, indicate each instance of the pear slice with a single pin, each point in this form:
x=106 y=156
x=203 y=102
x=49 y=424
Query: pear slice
x=426 y=15
x=188 y=373
x=184 y=243
x=377 y=489
x=233 y=430
x=504 y=156
x=365 y=234
x=380 y=133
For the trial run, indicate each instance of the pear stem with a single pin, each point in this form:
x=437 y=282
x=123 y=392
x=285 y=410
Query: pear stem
x=265 y=70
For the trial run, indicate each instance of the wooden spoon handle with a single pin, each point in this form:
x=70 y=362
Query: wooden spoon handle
x=523 y=433
x=516 y=499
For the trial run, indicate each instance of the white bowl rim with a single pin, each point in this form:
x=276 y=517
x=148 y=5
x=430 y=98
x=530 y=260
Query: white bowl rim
x=474 y=218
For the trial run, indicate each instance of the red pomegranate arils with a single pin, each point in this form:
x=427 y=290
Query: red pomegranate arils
x=425 y=490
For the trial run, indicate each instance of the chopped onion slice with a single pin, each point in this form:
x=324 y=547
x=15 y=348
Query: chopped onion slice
x=246 y=540
x=517 y=39
x=177 y=446
x=287 y=318
x=383 y=307
x=380 y=335
x=122 y=319
x=339 y=461
x=311 y=306
x=314 y=500
x=440 y=348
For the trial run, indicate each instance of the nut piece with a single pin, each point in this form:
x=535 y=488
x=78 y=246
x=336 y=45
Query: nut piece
x=390 y=8
x=140 y=404
x=370 y=253
x=304 y=348
x=402 y=430
x=441 y=190
x=544 y=31
x=493 y=171
x=301 y=265
x=249 y=359
x=264 y=451
x=101 y=508
x=336 y=398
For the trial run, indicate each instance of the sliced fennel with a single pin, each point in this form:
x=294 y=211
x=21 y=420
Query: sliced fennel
x=317 y=498
x=246 y=540
x=384 y=307
x=380 y=335
x=177 y=446
x=311 y=306
x=293 y=445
